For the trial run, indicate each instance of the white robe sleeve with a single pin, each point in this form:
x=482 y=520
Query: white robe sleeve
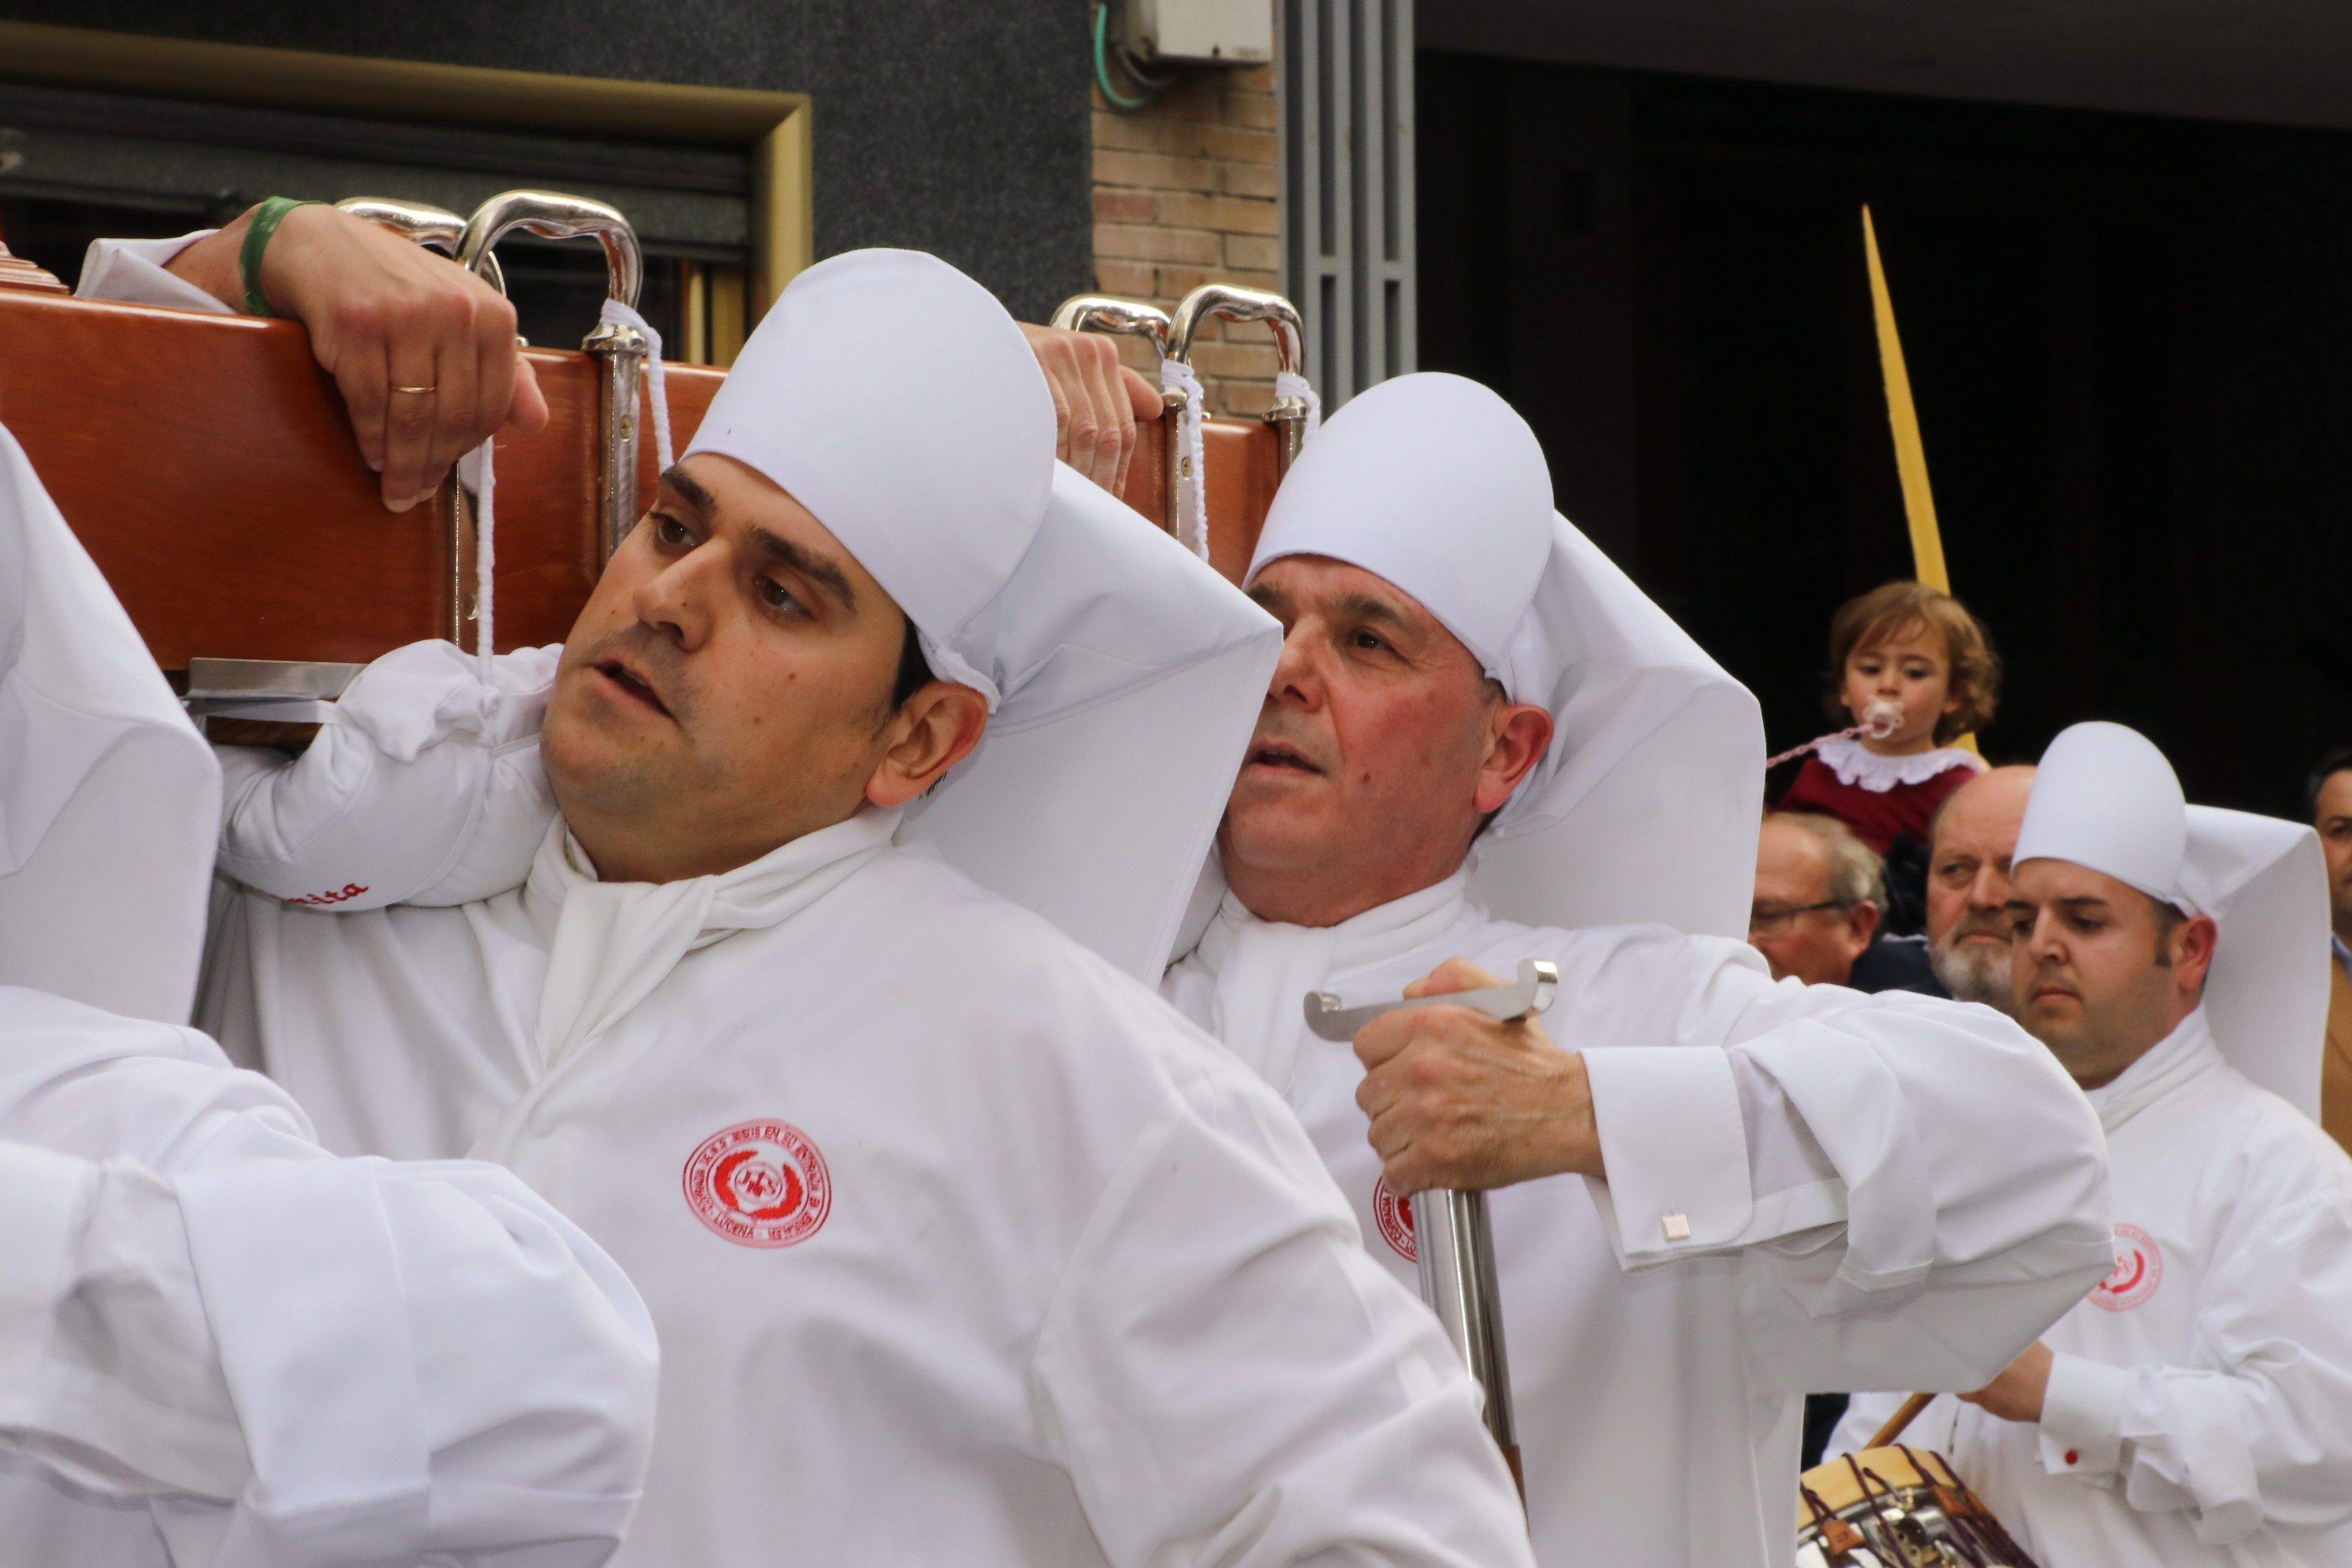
x=424 y=787
x=1912 y=1189
x=1256 y=1390
x=368 y=1360
x=2256 y=1432
x=132 y=272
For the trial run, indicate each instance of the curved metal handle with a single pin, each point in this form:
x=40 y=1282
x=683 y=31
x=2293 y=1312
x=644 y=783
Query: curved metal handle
x=555 y=216
x=1108 y=313
x=1231 y=303
x=436 y=229
x=619 y=350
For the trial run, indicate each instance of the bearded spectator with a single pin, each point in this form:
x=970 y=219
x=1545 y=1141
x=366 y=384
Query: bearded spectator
x=1969 y=845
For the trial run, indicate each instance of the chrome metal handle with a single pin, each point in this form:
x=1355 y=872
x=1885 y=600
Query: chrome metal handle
x=1530 y=993
x=1231 y=303
x=619 y=350
x=552 y=214
x=1108 y=313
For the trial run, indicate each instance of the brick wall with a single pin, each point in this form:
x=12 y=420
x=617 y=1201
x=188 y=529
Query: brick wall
x=1185 y=192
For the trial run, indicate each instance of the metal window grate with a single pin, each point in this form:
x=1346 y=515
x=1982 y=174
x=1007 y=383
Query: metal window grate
x=1347 y=187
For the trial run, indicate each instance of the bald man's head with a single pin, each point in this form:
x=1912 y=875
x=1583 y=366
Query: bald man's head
x=1973 y=836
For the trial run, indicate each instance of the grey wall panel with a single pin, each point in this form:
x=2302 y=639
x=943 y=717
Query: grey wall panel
x=948 y=125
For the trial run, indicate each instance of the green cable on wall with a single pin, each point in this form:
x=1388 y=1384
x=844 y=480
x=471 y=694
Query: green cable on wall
x=1117 y=99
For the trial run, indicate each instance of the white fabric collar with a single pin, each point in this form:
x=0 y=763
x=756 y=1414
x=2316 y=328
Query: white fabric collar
x=610 y=943
x=1263 y=969
x=1856 y=765
x=2164 y=1067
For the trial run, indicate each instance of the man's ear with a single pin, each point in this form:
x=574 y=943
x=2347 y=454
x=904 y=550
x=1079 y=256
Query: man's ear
x=1863 y=920
x=2192 y=942
x=937 y=728
x=1517 y=736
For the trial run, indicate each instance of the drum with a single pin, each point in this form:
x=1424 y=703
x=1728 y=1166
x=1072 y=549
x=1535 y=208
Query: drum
x=1898 y=1507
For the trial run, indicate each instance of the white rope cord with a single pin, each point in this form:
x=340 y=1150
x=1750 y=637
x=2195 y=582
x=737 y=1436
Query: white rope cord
x=1290 y=384
x=1191 y=523
x=486 y=479
x=620 y=315
x=485 y=555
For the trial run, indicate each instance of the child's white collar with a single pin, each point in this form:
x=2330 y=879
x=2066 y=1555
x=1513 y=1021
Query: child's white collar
x=1856 y=765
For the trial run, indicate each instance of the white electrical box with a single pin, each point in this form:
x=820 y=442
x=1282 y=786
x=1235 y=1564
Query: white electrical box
x=1198 y=32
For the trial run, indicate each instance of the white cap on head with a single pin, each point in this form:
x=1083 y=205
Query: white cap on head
x=1645 y=808
x=895 y=398
x=108 y=799
x=2105 y=798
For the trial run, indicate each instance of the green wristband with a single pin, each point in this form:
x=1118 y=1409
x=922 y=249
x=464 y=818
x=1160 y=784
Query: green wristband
x=265 y=219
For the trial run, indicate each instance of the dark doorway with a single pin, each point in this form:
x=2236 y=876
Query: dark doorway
x=2130 y=341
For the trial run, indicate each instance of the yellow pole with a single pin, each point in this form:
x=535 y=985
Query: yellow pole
x=1910 y=453
x=1910 y=456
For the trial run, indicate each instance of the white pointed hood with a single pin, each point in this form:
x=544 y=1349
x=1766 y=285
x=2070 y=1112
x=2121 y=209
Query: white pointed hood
x=2105 y=797
x=895 y=399
x=108 y=799
x=1646 y=806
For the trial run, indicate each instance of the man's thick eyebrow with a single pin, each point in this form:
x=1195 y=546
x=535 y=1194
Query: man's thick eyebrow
x=1370 y=608
x=683 y=483
x=809 y=564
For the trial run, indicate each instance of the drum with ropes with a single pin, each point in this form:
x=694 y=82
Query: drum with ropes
x=1893 y=1505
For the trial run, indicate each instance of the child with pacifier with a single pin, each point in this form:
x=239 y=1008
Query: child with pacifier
x=1912 y=671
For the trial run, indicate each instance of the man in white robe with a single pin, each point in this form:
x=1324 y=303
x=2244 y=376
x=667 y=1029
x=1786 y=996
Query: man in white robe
x=1804 y=1188
x=961 y=1244
x=1784 y=1188
x=2197 y=1408
x=219 y=1345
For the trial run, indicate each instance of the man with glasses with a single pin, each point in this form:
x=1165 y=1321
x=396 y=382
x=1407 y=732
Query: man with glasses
x=1820 y=892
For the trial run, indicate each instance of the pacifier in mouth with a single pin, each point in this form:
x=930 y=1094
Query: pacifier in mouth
x=1881 y=720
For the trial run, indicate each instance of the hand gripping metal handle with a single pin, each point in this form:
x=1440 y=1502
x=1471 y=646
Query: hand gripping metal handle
x=1134 y=319
x=436 y=229
x=1231 y=303
x=621 y=350
x=1452 y=1242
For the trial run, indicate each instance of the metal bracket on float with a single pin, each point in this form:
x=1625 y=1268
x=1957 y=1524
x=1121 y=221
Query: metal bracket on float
x=277 y=691
x=1134 y=319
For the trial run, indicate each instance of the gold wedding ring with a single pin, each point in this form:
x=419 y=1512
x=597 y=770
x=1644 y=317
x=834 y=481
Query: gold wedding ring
x=414 y=389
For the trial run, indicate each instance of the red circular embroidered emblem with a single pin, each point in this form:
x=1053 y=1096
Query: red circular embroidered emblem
x=1395 y=1216
x=760 y=1183
x=2140 y=1269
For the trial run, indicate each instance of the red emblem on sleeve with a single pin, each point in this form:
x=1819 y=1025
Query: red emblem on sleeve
x=1395 y=1216
x=760 y=1183
x=2140 y=1269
